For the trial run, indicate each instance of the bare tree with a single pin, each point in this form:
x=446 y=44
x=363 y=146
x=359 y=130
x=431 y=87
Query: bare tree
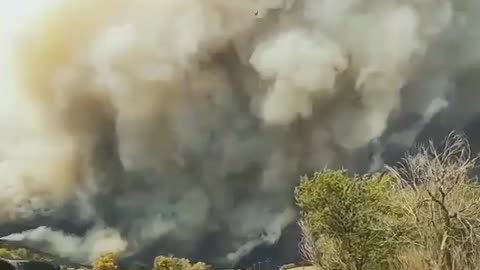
x=444 y=201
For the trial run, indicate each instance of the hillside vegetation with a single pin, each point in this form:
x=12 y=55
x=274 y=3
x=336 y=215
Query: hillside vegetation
x=107 y=261
x=15 y=251
x=422 y=214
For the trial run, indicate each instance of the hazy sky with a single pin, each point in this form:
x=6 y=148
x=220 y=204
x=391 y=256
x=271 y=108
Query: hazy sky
x=14 y=12
x=13 y=15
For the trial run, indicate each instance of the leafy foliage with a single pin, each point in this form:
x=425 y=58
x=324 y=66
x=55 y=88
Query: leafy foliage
x=422 y=214
x=171 y=263
x=22 y=254
x=174 y=263
x=106 y=261
x=201 y=266
x=352 y=220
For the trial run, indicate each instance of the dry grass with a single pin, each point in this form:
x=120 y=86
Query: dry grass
x=307 y=244
x=414 y=259
x=305 y=268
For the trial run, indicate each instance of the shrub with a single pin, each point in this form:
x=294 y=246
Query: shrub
x=171 y=263
x=106 y=261
x=21 y=253
x=350 y=222
x=422 y=214
x=201 y=266
x=4 y=253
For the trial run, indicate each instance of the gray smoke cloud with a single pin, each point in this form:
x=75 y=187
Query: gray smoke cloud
x=173 y=122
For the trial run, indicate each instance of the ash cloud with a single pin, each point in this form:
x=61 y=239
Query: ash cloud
x=169 y=121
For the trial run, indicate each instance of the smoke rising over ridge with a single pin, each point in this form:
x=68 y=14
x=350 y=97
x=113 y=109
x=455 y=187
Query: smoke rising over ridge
x=164 y=124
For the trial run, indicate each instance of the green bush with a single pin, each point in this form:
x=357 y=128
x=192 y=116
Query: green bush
x=423 y=214
x=174 y=263
x=4 y=253
x=21 y=253
x=106 y=261
x=171 y=263
x=201 y=266
x=350 y=222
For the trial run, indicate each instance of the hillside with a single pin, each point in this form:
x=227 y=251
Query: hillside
x=17 y=250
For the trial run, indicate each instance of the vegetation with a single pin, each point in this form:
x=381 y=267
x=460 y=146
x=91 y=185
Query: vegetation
x=422 y=214
x=444 y=203
x=106 y=261
x=287 y=266
x=201 y=266
x=20 y=253
x=170 y=263
x=174 y=263
x=10 y=251
x=353 y=221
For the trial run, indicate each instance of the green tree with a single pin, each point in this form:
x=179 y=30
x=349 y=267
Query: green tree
x=106 y=261
x=171 y=263
x=201 y=266
x=350 y=222
x=5 y=253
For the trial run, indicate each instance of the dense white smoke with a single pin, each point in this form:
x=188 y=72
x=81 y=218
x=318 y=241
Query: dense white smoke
x=175 y=122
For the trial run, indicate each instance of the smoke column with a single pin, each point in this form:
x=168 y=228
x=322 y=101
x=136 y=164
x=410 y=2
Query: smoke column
x=167 y=126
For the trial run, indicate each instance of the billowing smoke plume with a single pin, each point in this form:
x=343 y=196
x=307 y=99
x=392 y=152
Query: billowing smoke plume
x=168 y=126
